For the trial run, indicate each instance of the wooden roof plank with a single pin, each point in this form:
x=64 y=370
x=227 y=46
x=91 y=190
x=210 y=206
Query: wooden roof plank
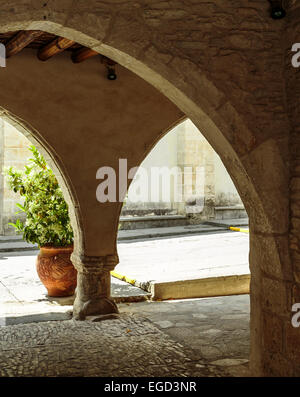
x=82 y=54
x=20 y=41
x=56 y=46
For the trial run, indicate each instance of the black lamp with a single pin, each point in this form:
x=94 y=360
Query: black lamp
x=111 y=73
x=110 y=67
x=277 y=10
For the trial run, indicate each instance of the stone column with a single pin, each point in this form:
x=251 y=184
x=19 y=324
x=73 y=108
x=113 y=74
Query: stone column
x=291 y=334
x=93 y=286
x=274 y=340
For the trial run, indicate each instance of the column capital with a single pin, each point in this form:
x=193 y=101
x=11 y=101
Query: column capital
x=94 y=264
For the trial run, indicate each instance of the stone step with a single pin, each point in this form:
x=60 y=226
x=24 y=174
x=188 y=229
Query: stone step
x=230 y=212
x=10 y=239
x=152 y=233
x=228 y=222
x=125 y=235
x=16 y=245
x=142 y=222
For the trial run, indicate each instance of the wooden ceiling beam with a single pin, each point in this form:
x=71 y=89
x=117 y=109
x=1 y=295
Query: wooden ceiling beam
x=82 y=54
x=56 y=46
x=20 y=41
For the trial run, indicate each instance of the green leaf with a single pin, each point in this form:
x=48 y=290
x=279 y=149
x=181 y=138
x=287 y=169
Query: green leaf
x=21 y=207
x=47 y=218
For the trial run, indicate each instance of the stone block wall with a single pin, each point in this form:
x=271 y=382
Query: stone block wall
x=215 y=188
x=13 y=153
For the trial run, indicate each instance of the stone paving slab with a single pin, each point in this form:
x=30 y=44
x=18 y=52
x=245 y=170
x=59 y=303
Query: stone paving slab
x=128 y=346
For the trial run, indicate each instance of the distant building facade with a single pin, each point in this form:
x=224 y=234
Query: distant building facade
x=184 y=147
x=13 y=152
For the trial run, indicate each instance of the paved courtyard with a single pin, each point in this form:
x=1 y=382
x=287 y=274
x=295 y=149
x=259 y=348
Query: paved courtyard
x=201 y=337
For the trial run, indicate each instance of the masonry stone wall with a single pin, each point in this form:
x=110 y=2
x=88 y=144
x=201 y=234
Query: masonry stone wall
x=220 y=197
x=14 y=153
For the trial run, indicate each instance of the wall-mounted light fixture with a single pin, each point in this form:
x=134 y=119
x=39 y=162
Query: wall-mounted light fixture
x=277 y=10
x=111 y=73
x=110 y=68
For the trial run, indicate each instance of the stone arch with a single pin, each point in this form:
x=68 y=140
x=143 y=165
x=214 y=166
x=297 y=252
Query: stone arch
x=210 y=109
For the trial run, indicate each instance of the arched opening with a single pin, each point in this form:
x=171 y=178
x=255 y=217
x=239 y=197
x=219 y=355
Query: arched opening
x=37 y=140
x=24 y=298
x=175 y=243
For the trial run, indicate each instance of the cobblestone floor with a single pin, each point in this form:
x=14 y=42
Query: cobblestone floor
x=200 y=337
x=127 y=346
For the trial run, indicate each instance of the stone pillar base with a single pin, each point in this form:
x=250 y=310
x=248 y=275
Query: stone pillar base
x=93 y=308
x=93 y=286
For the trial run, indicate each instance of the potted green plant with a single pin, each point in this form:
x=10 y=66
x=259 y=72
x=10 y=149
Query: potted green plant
x=47 y=223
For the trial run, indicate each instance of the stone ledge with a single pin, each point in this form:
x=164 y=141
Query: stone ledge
x=151 y=218
x=142 y=222
x=230 y=207
x=201 y=288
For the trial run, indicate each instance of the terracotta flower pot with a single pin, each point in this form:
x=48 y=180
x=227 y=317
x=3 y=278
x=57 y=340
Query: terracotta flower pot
x=56 y=271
